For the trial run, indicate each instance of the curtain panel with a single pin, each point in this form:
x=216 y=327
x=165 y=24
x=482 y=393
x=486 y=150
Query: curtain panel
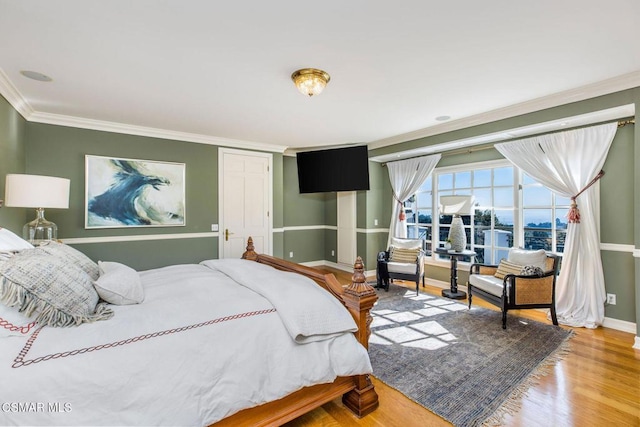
x=567 y=163
x=406 y=177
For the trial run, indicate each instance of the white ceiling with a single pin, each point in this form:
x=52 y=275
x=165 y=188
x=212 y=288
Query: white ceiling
x=219 y=72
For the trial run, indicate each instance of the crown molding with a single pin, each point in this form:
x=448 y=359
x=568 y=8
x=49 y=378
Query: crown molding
x=79 y=122
x=604 y=87
x=20 y=104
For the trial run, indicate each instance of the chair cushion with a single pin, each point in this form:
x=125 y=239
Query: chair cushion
x=406 y=243
x=403 y=255
x=401 y=267
x=525 y=257
x=505 y=267
x=490 y=284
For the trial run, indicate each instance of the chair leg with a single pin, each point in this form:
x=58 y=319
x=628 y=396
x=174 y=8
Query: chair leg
x=470 y=297
x=554 y=318
x=417 y=288
x=504 y=319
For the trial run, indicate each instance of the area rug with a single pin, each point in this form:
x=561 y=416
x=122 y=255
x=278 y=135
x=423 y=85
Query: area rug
x=456 y=362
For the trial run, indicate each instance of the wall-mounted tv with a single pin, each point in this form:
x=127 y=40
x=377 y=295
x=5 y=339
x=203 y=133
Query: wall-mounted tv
x=338 y=169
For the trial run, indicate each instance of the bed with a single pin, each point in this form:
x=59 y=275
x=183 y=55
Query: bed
x=208 y=345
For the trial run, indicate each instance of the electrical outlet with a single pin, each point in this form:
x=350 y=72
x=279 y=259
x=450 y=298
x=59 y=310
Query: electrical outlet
x=291 y=254
x=611 y=299
x=214 y=227
x=333 y=253
x=375 y=222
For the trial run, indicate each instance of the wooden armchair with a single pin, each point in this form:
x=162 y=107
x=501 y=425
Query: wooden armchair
x=526 y=279
x=404 y=260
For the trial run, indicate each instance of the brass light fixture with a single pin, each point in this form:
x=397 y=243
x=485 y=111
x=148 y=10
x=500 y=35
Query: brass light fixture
x=310 y=81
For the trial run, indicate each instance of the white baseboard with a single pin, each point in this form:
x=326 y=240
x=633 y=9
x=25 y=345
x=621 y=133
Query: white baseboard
x=637 y=343
x=620 y=325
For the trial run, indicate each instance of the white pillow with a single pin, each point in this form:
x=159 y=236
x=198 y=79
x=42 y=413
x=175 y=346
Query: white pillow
x=406 y=243
x=119 y=284
x=11 y=242
x=527 y=257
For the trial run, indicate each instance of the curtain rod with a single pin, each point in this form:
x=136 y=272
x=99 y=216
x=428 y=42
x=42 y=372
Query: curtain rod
x=621 y=123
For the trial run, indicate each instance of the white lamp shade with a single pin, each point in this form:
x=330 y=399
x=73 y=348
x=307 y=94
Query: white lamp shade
x=456 y=205
x=36 y=191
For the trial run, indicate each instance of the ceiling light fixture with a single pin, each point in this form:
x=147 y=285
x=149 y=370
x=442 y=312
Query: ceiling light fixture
x=310 y=81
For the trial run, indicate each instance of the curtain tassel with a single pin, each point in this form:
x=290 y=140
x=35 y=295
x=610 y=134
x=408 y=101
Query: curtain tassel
x=574 y=212
x=402 y=215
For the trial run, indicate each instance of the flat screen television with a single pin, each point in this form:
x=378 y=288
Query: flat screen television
x=338 y=169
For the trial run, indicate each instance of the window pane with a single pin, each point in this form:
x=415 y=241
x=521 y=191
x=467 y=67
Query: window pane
x=425 y=233
x=503 y=197
x=537 y=238
x=536 y=196
x=561 y=218
x=412 y=232
x=504 y=218
x=526 y=179
x=561 y=235
x=427 y=184
x=445 y=219
x=537 y=218
x=445 y=181
x=482 y=178
x=463 y=179
x=503 y=176
x=444 y=233
x=563 y=201
x=424 y=200
x=424 y=216
x=482 y=235
x=482 y=197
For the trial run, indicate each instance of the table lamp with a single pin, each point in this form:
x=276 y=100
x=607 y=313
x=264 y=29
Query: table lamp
x=39 y=192
x=456 y=206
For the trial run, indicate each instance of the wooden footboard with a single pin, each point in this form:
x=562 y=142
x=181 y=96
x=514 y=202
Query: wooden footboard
x=358 y=394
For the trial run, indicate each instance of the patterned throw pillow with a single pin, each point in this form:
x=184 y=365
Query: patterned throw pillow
x=403 y=255
x=74 y=256
x=505 y=267
x=50 y=290
x=531 y=270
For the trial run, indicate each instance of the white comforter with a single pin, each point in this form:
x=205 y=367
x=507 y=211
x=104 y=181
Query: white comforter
x=199 y=348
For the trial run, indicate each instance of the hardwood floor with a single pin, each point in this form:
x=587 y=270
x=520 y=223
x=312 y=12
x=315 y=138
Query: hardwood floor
x=596 y=384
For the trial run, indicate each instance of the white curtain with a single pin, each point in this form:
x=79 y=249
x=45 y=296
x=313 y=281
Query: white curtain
x=567 y=163
x=406 y=177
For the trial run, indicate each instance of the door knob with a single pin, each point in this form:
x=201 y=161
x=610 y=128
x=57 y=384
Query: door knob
x=226 y=234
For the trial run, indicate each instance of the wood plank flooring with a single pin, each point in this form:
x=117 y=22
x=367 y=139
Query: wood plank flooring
x=596 y=384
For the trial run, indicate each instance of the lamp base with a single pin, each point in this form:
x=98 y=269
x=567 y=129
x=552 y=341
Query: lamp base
x=40 y=229
x=457 y=236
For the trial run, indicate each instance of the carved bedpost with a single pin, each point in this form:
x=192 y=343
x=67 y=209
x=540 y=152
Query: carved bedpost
x=250 y=253
x=360 y=298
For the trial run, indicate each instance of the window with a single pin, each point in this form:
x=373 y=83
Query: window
x=544 y=217
x=419 y=211
x=511 y=209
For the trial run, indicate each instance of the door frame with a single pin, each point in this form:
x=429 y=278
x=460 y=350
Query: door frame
x=347 y=204
x=269 y=157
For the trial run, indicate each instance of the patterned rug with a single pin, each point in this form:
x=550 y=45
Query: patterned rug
x=459 y=363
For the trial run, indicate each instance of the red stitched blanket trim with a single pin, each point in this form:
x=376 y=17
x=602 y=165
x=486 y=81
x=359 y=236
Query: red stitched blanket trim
x=15 y=328
x=20 y=361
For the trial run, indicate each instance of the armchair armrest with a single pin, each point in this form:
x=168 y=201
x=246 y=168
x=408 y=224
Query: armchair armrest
x=525 y=290
x=485 y=269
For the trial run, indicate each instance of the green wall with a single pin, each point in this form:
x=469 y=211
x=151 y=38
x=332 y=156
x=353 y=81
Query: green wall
x=12 y=160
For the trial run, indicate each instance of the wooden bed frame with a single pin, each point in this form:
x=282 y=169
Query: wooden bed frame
x=358 y=394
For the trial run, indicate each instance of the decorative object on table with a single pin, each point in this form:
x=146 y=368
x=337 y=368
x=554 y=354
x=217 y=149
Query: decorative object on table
x=456 y=206
x=470 y=372
x=133 y=193
x=310 y=81
x=404 y=260
x=39 y=192
x=453 y=291
x=526 y=279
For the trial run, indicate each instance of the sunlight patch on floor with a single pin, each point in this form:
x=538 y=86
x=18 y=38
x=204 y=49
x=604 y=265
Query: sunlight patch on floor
x=428 y=335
